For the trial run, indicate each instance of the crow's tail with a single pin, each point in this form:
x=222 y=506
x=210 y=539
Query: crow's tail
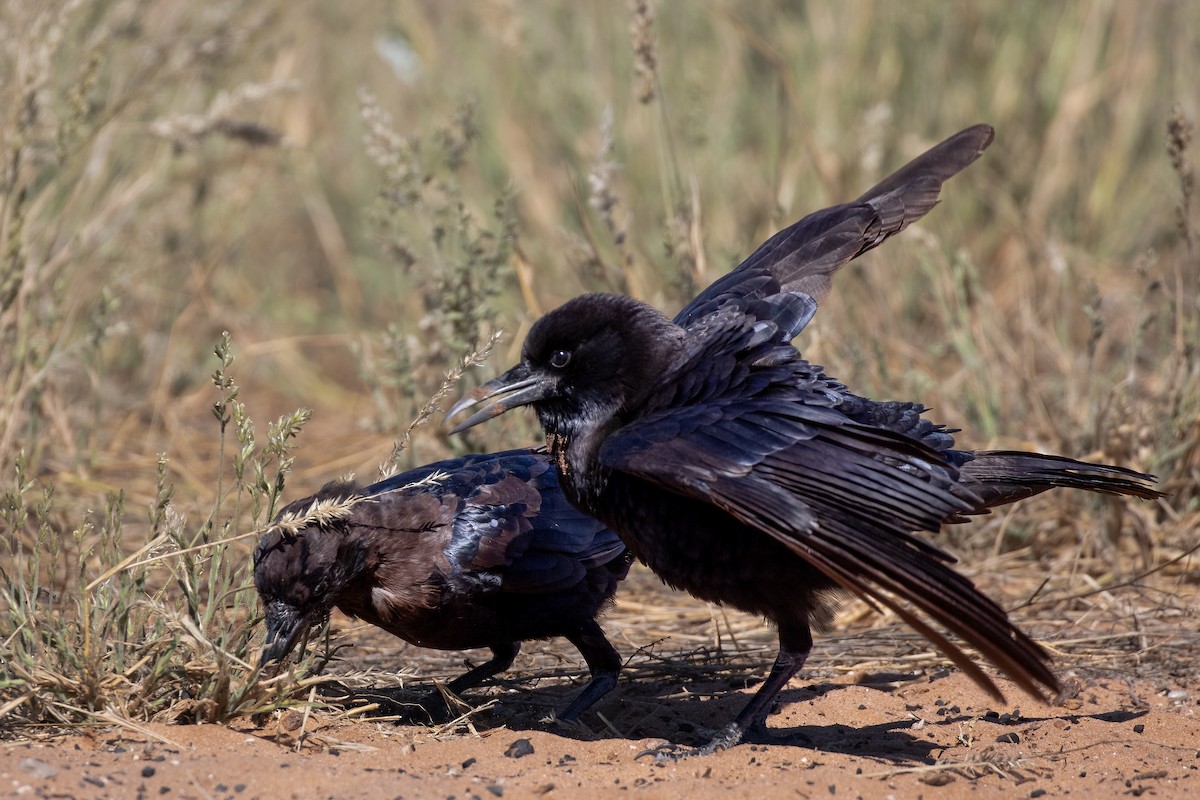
x=1005 y=476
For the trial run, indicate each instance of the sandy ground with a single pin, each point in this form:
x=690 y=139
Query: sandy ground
x=926 y=736
x=873 y=716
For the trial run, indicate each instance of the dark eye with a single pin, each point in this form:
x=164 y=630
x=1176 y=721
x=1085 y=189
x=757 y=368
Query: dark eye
x=560 y=358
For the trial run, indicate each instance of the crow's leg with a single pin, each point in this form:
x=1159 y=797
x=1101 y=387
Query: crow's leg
x=752 y=721
x=502 y=659
x=603 y=662
x=795 y=643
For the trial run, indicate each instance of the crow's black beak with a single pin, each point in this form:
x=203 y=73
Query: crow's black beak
x=284 y=626
x=518 y=387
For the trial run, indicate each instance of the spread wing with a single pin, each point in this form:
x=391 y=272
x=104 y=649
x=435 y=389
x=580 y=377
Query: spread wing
x=804 y=256
x=792 y=469
x=759 y=434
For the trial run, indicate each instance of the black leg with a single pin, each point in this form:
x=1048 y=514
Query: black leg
x=604 y=663
x=753 y=718
x=795 y=643
x=502 y=659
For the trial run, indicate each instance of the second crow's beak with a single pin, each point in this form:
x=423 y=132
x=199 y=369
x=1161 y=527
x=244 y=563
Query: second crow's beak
x=518 y=387
x=284 y=627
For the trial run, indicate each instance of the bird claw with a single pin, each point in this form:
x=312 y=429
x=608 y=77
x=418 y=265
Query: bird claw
x=335 y=691
x=665 y=752
x=669 y=753
x=572 y=724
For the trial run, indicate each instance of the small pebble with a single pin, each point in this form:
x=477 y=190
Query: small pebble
x=937 y=778
x=148 y=771
x=519 y=749
x=291 y=720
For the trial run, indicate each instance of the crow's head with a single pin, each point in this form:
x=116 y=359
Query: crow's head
x=582 y=364
x=301 y=566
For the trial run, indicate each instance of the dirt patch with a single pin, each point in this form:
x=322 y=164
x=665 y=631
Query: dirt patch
x=925 y=736
x=875 y=715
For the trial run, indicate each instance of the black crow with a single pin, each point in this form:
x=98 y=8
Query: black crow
x=740 y=472
x=478 y=551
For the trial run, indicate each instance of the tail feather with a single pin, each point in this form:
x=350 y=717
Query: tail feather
x=1005 y=476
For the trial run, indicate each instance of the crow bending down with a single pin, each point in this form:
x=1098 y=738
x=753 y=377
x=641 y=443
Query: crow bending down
x=479 y=551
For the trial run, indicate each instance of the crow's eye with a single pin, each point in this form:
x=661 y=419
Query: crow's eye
x=560 y=358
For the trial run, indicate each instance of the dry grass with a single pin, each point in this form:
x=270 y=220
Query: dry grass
x=359 y=208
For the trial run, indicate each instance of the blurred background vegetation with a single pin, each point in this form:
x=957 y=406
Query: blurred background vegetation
x=361 y=193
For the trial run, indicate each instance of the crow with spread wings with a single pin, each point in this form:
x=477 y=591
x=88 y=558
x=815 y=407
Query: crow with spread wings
x=744 y=474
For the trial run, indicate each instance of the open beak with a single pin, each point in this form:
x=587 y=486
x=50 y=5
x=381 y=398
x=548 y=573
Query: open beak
x=513 y=389
x=284 y=627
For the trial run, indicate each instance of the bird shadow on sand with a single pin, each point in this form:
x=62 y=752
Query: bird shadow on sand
x=423 y=704
x=684 y=713
x=693 y=722
x=634 y=711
